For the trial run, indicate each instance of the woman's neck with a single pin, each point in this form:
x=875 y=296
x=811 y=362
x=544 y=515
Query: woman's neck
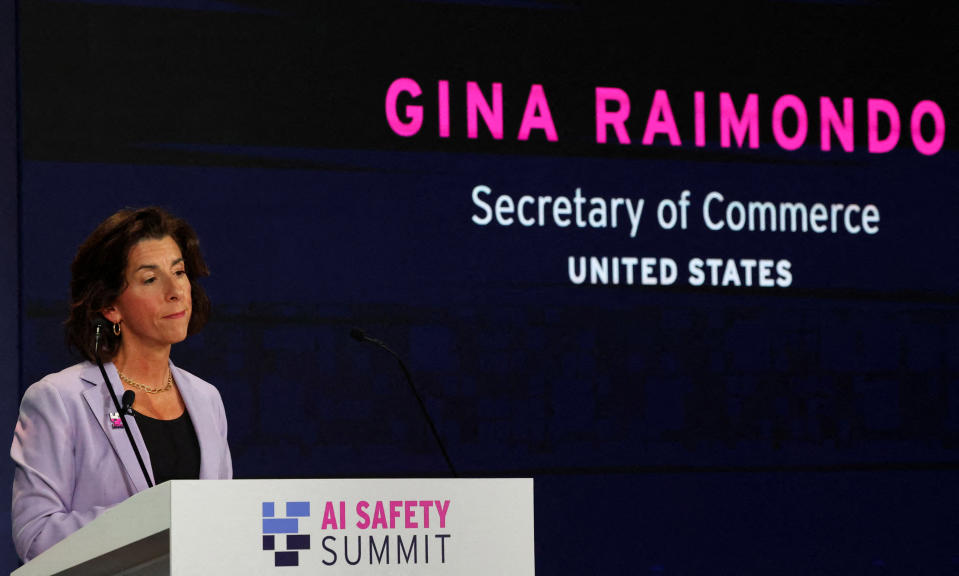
x=145 y=366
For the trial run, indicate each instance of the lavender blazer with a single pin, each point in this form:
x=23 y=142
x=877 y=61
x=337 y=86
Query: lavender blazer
x=71 y=464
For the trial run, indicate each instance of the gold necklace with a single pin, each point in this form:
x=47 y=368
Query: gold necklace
x=149 y=390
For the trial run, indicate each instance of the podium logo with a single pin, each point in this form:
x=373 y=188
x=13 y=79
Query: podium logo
x=285 y=530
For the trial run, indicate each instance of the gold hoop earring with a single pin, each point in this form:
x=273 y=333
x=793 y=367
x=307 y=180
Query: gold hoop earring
x=116 y=329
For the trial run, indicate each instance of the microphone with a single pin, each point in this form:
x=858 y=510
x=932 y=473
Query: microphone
x=129 y=396
x=361 y=336
x=355 y=333
x=96 y=345
x=122 y=410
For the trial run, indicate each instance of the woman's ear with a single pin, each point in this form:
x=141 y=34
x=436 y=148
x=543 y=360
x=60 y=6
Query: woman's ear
x=111 y=314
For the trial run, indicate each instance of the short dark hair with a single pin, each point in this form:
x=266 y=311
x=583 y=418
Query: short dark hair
x=98 y=273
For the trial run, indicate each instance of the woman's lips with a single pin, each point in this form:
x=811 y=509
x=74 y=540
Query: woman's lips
x=175 y=316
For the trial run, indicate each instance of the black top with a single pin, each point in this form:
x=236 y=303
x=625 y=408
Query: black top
x=173 y=447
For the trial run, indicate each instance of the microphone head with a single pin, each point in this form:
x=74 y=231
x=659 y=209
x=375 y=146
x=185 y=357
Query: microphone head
x=129 y=397
x=357 y=334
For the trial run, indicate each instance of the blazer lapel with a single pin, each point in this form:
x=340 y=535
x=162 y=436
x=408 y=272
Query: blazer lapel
x=101 y=404
x=200 y=416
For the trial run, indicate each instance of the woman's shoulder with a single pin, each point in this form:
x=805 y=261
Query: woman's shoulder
x=197 y=384
x=71 y=376
x=66 y=383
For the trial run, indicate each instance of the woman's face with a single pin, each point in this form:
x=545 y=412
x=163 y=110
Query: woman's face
x=154 y=308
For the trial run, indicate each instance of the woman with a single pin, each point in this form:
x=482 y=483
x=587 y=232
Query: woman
x=73 y=460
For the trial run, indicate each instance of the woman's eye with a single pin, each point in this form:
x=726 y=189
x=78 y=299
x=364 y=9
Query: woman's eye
x=149 y=280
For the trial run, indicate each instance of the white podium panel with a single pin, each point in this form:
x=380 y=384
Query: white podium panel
x=426 y=527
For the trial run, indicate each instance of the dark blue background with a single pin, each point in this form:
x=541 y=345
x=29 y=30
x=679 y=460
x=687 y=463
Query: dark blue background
x=805 y=430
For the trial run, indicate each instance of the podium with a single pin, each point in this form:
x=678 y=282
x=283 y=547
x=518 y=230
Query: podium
x=364 y=527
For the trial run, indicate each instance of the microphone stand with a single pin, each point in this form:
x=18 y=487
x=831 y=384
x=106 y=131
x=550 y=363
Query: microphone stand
x=360 y=336
x=120 y=410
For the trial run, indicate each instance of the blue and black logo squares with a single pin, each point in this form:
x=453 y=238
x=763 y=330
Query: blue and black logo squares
x=289 y=526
